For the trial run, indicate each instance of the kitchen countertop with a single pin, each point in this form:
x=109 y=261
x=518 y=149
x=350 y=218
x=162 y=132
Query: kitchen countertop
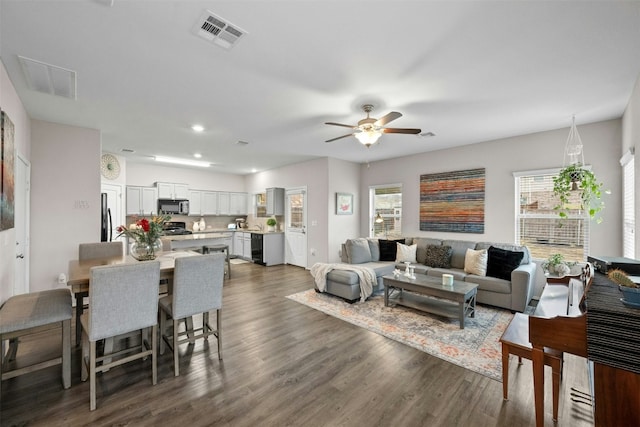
x=215 y=234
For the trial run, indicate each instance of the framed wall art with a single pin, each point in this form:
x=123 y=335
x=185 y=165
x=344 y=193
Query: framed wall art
x=453 y=201
x=344 y=204
x=7 y=185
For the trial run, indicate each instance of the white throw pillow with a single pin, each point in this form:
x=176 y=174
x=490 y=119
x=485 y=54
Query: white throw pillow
x=475 y=262
x=406 y=253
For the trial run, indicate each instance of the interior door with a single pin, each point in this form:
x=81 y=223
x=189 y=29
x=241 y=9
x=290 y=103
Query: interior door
x=114 y=204
x=295 y=232
x=22 y=207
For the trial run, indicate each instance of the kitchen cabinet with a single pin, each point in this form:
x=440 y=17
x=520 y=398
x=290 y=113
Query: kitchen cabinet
x=195 y=202
x=275 y=201
x=238 y=204
x=141 y=201
x=168 y=190
x=209 y=203
x=223 y=203
x=242 y=244
x=273 y=248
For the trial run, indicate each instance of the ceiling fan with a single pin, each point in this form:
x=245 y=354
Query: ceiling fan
x=368 y=130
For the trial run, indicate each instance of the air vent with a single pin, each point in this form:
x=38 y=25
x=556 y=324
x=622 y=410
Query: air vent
x=217 y=30
x=127 y=150
x=49 y=78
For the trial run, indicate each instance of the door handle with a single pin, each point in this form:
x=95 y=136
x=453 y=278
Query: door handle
x=21 y=256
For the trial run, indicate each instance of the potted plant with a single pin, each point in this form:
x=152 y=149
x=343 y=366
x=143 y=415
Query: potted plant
x=576 y=178
x=271 y=224
x=630 y=291
x=556 y=265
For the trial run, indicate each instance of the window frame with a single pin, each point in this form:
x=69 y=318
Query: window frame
x=396 y=216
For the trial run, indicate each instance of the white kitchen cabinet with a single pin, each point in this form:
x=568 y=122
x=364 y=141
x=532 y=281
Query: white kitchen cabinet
x=242 y=245
x=195 y=202
x=209 y=203
x=169 y=190
x=223 y=203
x=238 y=204
x=237 y=244
x=141 y=201
x=275 y=201
x=273 y=248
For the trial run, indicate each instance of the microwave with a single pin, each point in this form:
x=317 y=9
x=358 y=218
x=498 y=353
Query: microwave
x=173 y=207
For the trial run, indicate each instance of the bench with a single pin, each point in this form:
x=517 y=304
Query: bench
x=33 y=313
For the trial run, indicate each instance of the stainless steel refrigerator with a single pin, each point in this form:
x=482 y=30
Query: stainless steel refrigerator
x=106 y=228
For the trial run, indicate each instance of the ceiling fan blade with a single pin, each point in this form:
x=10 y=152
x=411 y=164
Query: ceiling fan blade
x=386 y=119
x=402 y=130
x=340 y=137
x=340 y=124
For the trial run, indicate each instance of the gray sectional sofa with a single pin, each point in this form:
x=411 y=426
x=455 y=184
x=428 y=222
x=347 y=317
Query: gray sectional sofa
x=513 y=291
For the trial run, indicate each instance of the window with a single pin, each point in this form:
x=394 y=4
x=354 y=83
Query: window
x=538 y=225
x=628 y=201
x=386 y=201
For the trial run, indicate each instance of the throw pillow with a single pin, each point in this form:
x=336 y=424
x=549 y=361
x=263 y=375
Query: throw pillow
x=475 y=262
x=358 y=251
x=438 y=256
x=374 y=249
x=502 y=262
x=388 y=249
x=406 y=253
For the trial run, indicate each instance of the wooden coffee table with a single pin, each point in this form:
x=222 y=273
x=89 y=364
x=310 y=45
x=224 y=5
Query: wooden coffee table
x=457 y=300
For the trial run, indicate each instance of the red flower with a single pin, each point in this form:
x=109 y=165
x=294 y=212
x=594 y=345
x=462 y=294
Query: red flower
x=120 y=229
x=144 y=223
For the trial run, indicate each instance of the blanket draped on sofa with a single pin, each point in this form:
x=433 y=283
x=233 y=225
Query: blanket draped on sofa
x=367 y=276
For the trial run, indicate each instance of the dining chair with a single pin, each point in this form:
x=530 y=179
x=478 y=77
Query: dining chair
x=123 y=299
x=99 y=250
x=197 y=289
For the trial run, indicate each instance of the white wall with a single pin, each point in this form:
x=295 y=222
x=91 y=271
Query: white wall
x=631 y=139
x=65 y=198
x=313 y=175
x=344 y=177
x=11 y=104
x=501 y=158
x=145 y=174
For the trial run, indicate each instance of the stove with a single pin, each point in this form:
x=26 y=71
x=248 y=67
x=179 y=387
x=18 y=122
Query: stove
x=175 y=228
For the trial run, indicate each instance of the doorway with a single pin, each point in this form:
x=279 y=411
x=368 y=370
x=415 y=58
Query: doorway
x=114 y=204
x=22 y=215
x=295 y=232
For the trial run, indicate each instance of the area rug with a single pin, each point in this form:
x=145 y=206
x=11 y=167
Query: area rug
x=476 y=347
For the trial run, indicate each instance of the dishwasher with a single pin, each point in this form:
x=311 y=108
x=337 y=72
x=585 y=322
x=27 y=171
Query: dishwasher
x=257 y=255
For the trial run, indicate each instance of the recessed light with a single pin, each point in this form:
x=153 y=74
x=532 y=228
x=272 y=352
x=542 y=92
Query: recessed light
x=197 y=128
x=254 y=170
x=178 y=161
x=197 y=155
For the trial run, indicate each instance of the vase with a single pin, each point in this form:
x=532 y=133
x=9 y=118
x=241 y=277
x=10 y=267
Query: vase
x=631 y=295
x=145 y=251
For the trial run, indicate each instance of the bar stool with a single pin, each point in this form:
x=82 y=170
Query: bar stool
x=220 y=248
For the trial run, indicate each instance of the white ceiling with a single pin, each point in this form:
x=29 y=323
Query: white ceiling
x=469 y=71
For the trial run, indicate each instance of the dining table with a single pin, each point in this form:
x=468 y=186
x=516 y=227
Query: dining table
x=79 y=274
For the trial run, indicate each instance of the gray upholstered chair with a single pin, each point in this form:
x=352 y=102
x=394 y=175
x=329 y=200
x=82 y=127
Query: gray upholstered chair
x=197 y=289
x=122 y=299
x=99 y=250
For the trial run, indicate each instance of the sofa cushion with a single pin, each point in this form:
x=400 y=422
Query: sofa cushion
x=374 y=248
x=438 y=256
x=475 y=262
x=526 y=259
x=406 y=253
x=459 y=248
x=358 y=251
x=455 y=272
x=502 y=262
x=490 y=284
x=423 y=242
x=388 y=249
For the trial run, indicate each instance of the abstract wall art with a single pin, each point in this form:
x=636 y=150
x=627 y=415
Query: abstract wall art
x=453 y=201
x=7 y=155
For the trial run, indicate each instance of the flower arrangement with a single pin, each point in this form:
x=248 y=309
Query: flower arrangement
x=145 y=234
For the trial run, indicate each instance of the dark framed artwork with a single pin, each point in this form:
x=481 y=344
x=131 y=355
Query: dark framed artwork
x=453 y=201
x=344 y=204
x=7 y=185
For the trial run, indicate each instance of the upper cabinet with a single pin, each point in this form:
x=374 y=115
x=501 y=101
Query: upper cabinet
x=275 y=201
x=141 y=201
x=195 y=202
x=217 y=203
x=238 y=204
x=169 y=190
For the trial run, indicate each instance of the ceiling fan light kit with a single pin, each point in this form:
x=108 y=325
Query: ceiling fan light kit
x=369 y=130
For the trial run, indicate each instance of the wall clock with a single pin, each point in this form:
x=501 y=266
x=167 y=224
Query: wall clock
x=109 y=166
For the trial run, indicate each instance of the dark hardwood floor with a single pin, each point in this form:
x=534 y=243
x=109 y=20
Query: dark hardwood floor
x=286 y=364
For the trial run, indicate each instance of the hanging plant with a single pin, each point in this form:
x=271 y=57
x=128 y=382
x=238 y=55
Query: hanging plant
x=574 y=178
